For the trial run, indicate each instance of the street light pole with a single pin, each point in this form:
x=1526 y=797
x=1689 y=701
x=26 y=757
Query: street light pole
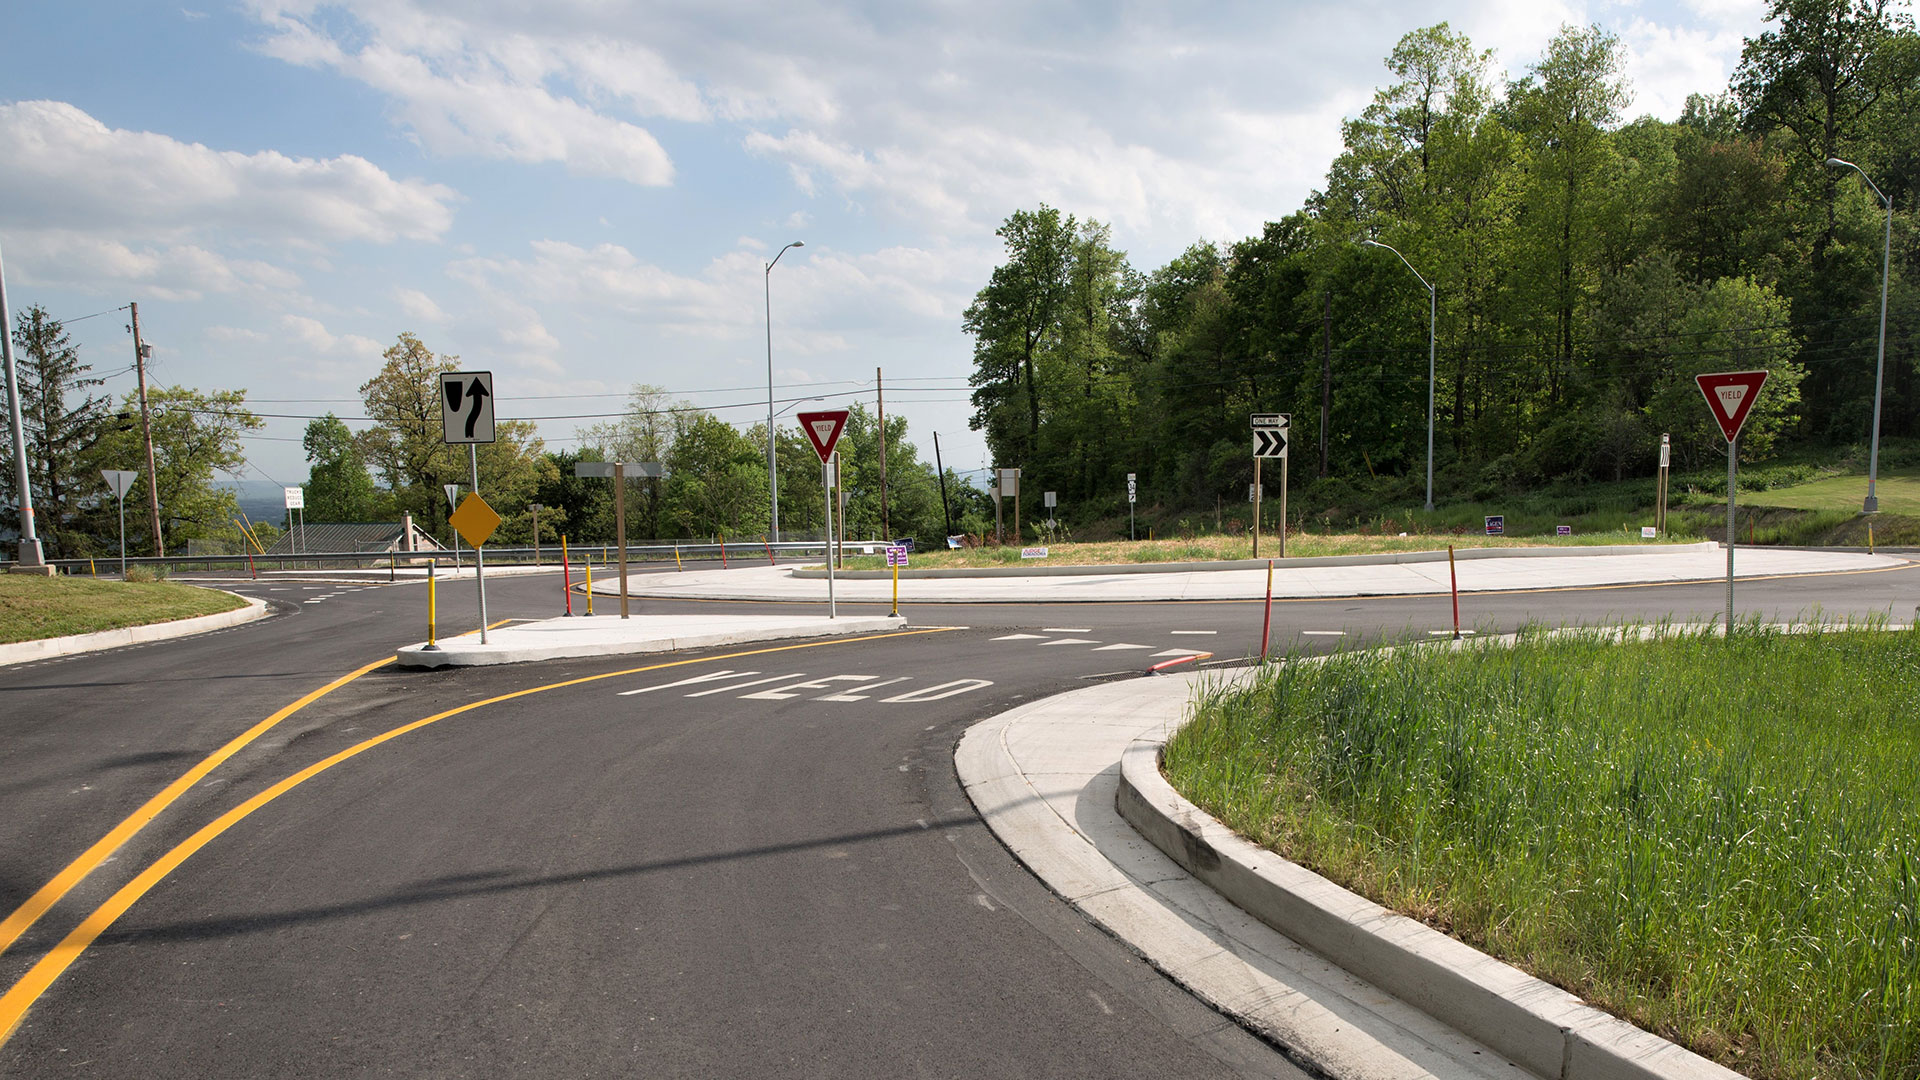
x=1433 y=314
x=773 y=477
x=29 y=558
x=1872 y=505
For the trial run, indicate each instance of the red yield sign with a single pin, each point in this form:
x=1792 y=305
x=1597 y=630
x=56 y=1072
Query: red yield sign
x=823 y=429
x=1730 y=397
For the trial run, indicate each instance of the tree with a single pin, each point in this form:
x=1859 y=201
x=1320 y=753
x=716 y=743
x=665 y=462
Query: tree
x=407 y=442
x=195 y=436
x=58 y=434
x=1010 y=320
x=717 y=481
x=338 y=487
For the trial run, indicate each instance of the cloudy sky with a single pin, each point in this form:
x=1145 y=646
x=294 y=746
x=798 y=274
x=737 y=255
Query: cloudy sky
x=582 y=194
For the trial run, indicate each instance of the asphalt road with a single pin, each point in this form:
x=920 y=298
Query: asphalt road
x=754 y=861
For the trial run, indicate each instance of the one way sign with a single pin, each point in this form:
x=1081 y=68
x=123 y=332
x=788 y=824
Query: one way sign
x=466 y=406
x=1270 y=442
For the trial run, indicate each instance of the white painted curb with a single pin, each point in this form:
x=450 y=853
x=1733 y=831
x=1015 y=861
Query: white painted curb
x=21 y=652
x=1539 y=1026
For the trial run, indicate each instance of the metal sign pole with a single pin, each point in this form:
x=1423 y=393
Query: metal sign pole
x=123 y=534
x=1731 y=465
x=826 y=487
x=1283 y=505
x=620 y=526
x=479 y=559
x=1256 y=506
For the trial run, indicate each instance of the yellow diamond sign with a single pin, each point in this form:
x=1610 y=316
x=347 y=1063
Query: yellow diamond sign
x=475 y=520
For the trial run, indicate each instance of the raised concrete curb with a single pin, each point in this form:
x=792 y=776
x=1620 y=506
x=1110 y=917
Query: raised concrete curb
x=21 y=652
x=1044 y=777
x=1542 y=1028
x=601 y=635
x=1386 y=558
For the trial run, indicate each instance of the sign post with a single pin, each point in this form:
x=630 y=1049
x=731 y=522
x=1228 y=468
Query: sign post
x=1730 y=396
x=823 y=430
x=1131 y=491
x=1010 y=488
x=466 y=416
x=121 y=481
x=1660 y=502
x=297 y=500
x=452 y=492
x=1270 y=441
x=1051 y=499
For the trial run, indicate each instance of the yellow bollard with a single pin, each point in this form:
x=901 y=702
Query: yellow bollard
x=433 y=611
x=95 y=571
x=589 y=586
x=676 y=556
x=1869 y=539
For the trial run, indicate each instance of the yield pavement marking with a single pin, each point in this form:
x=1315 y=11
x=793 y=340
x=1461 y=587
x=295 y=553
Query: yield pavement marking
x=1112 y=648
x=1070 y=641
x=1193 y=631
x=1067 y=629
x=1020 y=637
x=39 y=978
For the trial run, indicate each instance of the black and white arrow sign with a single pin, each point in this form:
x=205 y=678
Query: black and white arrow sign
x=466 y=406
x=1270 y=442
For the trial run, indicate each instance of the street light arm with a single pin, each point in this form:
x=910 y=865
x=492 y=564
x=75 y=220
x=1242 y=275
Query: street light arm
x=1836 y=163
x=783 y=251
x=1403 y=260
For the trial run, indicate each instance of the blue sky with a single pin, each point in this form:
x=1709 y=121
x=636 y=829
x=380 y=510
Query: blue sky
x=581 y=195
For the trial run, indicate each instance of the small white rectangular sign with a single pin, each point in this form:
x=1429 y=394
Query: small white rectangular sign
x=296 y=498
x=1033 y=553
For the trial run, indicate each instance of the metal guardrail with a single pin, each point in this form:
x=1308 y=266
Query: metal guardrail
x=549 y=555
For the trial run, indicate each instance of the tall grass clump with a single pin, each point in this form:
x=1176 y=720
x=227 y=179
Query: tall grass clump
x=1716 y=839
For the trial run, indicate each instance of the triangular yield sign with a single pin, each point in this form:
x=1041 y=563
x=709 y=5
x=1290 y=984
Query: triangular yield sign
x=1730 y=397
x=823 y=429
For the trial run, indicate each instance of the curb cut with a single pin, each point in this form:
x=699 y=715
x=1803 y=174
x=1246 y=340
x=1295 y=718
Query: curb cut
x=21 y=652
x=1540 y=1026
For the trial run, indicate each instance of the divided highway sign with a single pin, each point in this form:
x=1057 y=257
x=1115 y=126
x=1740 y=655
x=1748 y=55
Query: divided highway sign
x=466 y=406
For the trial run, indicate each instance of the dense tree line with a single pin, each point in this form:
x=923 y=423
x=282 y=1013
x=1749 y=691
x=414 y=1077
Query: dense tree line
x=73 y=432
x=1584 y=267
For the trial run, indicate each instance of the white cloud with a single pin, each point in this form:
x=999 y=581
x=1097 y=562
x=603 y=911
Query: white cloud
x=460 y=89
x=61 y=168
x=317 y=338
x=418 y=305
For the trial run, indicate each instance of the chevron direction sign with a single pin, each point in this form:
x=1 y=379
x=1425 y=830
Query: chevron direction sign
x=1270 y=442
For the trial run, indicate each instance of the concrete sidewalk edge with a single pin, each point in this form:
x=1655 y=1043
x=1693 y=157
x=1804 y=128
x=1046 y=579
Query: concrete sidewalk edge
x=21 y=652
x=466 y=651
x=1543 y=1028
x=1385 y=558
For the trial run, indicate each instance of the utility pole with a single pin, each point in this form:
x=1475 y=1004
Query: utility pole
x=140 y=352
x=30 y=558
x=880 y=399
x=1326 y=374
x=946 y=510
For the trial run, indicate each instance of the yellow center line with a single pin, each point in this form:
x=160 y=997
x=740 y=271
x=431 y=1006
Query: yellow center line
x=18 y=999
x=57 y=887
x=76 y=871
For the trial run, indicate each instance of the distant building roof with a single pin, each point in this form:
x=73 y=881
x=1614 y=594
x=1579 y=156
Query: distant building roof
x=382 y=536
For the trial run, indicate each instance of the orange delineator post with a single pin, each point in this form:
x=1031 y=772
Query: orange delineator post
x=566 y=574
x=723 y=551
x=769 y=547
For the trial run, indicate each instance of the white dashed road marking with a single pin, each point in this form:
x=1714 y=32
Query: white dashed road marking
x=1193 y=631
x=1067 y=629
x=1324 y=633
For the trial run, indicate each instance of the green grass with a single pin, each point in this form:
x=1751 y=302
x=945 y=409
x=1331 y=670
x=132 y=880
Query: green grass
x=1718 y=840
x=32 y=608
x=1898 y=490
